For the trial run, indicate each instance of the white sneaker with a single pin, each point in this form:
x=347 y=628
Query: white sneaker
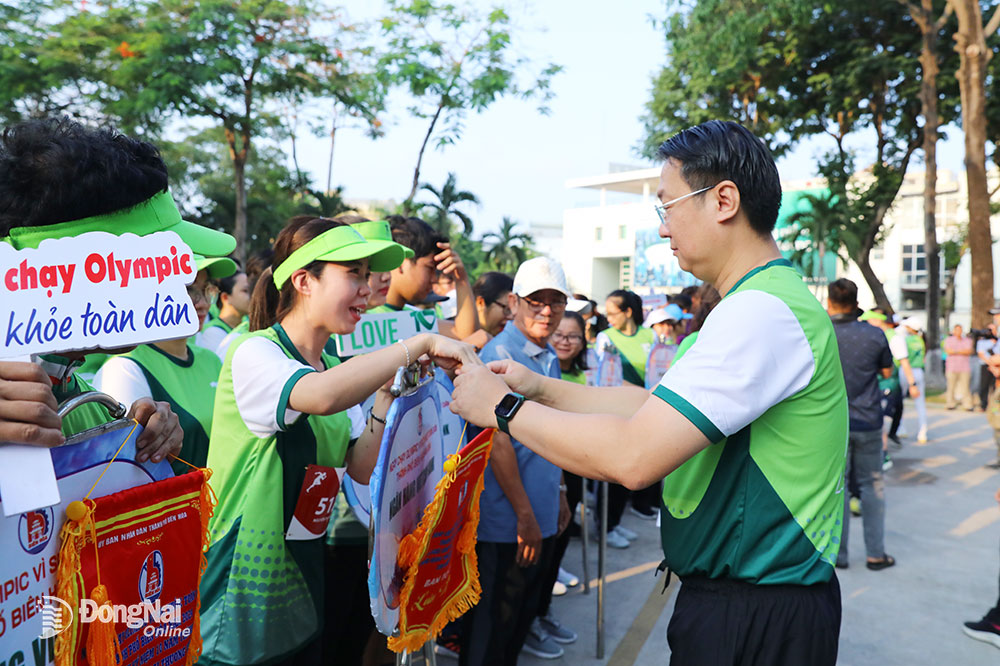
x=566 y=578
x=615 y=540
x=625 y=532
x=558 y=589
x=922 y=436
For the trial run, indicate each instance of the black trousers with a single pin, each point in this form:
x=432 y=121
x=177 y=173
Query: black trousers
x=617 y=499
x=494 y=630
x=894 y=408
x=986 y=380
x=348 y=623
x=734 y=623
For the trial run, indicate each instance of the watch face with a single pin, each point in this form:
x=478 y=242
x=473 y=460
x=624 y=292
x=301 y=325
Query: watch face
x=507 y=404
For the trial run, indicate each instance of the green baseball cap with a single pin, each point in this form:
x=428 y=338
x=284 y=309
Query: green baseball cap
x=341 y=244
x=380 y=230
x=217 y=267
x=158 y=213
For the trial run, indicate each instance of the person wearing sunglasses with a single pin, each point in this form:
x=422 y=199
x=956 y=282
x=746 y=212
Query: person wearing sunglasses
x=749 y=430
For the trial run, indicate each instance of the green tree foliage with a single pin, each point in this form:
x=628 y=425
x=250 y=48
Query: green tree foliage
x=234 y=64
x=795 y=68
x=509 y=248
x=447 y=199
x=453 y=59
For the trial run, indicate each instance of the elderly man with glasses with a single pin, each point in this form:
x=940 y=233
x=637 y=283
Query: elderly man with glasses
x=748 y=431
x=523 y=504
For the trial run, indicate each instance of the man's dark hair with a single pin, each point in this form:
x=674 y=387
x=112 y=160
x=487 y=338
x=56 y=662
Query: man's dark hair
x=57 y=170
x=723 y=150
x=843 y=292
x=415 y=234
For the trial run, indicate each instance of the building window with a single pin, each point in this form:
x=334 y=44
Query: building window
x=598 y=234
x=622 y=232
x=914 y=266
x=878 y=253
x=625 y=273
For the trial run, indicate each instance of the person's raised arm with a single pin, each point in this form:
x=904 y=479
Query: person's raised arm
x=466 y=318
x=634 y=451
x=570 y=396
x=342 y=386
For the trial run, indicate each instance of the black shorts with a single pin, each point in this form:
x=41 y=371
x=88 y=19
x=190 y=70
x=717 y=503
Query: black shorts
x=721 y=622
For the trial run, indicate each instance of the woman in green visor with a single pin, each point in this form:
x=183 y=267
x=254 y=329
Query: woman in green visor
x=279 y=430
x=174 y=371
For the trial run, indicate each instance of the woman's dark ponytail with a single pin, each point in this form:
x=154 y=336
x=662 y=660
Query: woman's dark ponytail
x=269 y=305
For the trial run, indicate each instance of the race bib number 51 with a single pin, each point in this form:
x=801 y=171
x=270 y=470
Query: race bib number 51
x=315 y=504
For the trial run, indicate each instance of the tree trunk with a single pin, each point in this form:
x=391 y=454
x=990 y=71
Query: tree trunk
x=929 y=104
x=240 y=223
x=407 y=205
x=878 y=291
x=970 y=42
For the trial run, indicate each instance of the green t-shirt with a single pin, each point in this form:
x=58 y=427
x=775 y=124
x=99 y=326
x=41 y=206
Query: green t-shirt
x=262 y=595
x=189 y=387
x=764 y=502
x=634 y=351
x=577 y=377
x=915 y=350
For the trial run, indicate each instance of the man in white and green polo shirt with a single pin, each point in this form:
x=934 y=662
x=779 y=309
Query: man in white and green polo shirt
x=748 y=428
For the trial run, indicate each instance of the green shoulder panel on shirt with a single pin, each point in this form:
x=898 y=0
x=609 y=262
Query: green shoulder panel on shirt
x=262 y=595
x=189 y=387
x=216 y=322
x=766 y=504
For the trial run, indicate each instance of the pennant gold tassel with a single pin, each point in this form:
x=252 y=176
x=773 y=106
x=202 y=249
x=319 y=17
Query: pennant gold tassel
x=102 y=639
x=208 y=501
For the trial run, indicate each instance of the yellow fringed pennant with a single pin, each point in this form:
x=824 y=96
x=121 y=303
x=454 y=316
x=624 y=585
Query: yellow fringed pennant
x=448 y=580
x=141 y=547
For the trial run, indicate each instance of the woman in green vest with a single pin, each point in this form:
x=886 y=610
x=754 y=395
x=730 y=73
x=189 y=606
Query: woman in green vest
x=626 y=333
x=177 y=372
x=279 y=430
x=234 y=305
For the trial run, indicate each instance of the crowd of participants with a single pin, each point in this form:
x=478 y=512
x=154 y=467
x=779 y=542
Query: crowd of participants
x=259 y=394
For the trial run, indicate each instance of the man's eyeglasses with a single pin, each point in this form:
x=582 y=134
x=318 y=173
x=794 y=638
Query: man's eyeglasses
x=662 y=208
x=506 y=308
x=557 y=305
x=574 y=338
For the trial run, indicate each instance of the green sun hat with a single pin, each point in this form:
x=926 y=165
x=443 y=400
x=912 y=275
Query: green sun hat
x=217 y=267
x=158 y=213
x=379 y=230
x=341 y=244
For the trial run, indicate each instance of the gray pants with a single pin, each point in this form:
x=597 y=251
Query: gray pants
x=864 y=456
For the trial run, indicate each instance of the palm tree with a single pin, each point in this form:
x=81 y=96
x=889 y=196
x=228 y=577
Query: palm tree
x=510 y=249
x=822 y=227
x=448 y=198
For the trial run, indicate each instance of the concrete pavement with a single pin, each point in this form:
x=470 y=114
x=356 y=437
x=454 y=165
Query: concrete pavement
x=942 y=526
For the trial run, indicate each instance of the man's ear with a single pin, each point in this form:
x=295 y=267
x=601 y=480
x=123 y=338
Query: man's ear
x=512 y=301
x=727 y=197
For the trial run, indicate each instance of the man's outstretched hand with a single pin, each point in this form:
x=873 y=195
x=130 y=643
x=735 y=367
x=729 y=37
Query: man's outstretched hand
x=28 y=409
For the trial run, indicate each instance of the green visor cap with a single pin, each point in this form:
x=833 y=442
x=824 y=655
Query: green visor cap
x=158 y=213
x=217 y=267
x=341 y=244
x=379 y=230
x=871 y=314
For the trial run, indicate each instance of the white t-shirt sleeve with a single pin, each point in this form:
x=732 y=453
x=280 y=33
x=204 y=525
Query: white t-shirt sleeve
x=123 y=380
x=263 y=377
x=210 y=338
x=359 y=419
x=751 y=354
x=897 y=345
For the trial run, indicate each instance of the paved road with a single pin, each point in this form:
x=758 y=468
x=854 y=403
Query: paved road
x=942 y=526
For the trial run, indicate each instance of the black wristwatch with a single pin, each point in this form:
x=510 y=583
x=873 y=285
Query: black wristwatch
x=506 y=409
